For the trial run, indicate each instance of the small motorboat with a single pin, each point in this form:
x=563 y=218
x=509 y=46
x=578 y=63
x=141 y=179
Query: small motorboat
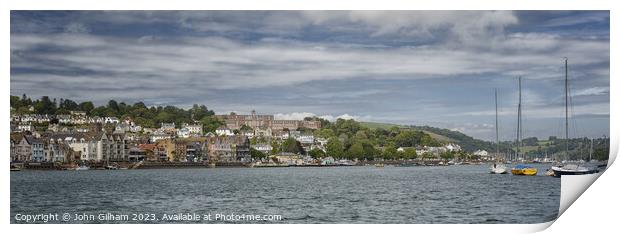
x=524 y=170
x=550 y=172
x=379 y=165
x=497 y=168
x=82 y=168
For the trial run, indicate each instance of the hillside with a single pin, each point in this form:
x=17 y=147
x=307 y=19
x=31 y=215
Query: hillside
x=468 y=143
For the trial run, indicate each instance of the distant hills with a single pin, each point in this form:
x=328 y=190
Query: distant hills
x=531 y=146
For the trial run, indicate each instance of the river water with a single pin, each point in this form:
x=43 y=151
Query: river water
x=363 y=194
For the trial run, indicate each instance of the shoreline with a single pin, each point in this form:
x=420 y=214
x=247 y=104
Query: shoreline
x=185 y=165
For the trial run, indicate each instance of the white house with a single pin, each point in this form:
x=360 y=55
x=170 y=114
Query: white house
x=183 y=132
x=453 y=147
x=481 y=153
x=167 y=126
x=111 y=120
x=159 y=135
x=224 y=131
x=22 y=127
x=194 y=129
x=305 y=139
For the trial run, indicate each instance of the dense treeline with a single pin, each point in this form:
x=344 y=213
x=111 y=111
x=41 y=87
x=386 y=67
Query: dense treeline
x=349 y=139
x=149 y=117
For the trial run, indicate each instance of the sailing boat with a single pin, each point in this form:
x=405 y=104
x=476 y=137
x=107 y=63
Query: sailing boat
x=568 y=169
x=497 y=167
x=521 y=169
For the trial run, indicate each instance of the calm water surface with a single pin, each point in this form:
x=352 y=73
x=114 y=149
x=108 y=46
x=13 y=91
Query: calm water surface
x=454 y=194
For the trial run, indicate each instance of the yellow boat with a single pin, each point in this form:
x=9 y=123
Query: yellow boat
x=524 y=170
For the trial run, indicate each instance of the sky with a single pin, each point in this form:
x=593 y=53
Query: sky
x=437 y=68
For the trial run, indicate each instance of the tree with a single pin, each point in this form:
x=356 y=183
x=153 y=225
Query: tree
x=292 y=146
x=369 y=150
x=447 y=155
x=325 y=133
x=275 y=147
x=316 y=153
x=410 y=153
x=334 y=148
x=389 y=152
x=255 y=154
x=68 y=105
x=246 y=128
x=427 y=155
x=355 y=151
x=210 y=123
x=113 y=105
x=15 y=102
x=86 y=107
x=45 y=106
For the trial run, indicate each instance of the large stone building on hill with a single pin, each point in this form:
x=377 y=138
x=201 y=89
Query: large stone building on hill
x=235 y=121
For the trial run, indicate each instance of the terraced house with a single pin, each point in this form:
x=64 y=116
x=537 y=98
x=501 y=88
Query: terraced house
x=95 y=146
x=229 y=149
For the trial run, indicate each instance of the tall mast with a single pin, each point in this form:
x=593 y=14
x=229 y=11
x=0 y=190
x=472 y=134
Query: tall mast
x=566 y=102
x=519 y=122
x=496 y=127
x=591 y=143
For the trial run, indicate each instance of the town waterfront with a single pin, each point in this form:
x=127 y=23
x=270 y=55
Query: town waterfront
x=361 y=194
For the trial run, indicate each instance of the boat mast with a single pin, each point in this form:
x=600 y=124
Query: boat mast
x=496 y=128
x=566 y=103
x=591 y=143
x=519 y=123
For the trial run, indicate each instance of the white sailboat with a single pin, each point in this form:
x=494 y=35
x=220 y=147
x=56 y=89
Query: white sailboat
x=570 y=168
x=498 y=167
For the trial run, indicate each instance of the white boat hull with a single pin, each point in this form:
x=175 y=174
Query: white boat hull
x=498 y=169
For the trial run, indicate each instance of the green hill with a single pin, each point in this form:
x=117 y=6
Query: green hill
x=442 y=135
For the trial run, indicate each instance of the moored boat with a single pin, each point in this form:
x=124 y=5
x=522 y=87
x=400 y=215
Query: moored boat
x=570 y=168
x=550 y=172
x=498 y=169
x=524 y=170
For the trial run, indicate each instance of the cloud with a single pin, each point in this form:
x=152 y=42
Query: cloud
x=76 y=28
x=293 y=116
x=465 y=25
x=395 y=66
x=588 y=17
x=593 y=91
x=331 y=118
x=346 y=117
x=221 y=63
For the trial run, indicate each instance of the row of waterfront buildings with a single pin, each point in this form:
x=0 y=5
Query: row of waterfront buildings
x=78 y=137
x=82 y=138
x=111 y=147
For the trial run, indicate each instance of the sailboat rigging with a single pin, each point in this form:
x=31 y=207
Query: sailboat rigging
x=498 y=167
x=521 y=169
x=568 y=169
